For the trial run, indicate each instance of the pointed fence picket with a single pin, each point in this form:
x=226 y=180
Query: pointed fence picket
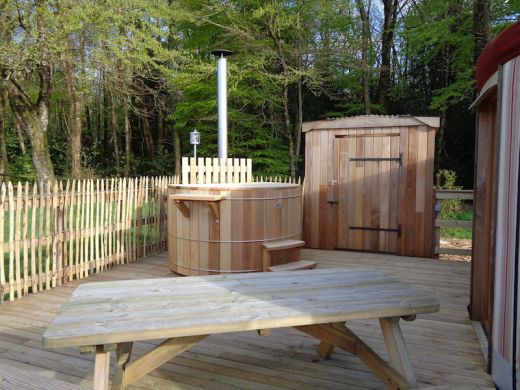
x=216 y=170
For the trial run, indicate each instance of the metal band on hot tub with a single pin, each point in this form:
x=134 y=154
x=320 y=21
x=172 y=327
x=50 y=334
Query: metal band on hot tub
x=237 y=199
x=228 y=271
x=238 y=241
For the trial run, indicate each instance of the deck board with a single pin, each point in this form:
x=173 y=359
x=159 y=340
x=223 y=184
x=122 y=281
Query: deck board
x=443 y=346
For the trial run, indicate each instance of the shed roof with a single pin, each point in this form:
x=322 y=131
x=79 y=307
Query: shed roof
x=360 y=121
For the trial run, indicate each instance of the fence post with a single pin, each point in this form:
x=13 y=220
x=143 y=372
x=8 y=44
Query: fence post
x=2 y=241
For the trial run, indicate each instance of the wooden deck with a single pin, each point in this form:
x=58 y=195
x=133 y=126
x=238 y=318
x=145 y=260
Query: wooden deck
x=443 y=346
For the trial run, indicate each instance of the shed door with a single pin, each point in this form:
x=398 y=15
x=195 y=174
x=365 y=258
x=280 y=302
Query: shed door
x=368 y=178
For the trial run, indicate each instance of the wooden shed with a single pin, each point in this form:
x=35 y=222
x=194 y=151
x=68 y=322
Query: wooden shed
x=369 y=184
x=495 y=265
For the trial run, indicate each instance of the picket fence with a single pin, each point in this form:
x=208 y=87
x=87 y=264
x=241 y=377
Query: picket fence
x=57 y=232
x=53 y=233
x=216 y=170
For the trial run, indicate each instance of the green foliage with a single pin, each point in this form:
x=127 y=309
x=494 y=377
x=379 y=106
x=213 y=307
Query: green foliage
x=20 y=165
x=452 y=208
x=153 y=56
x=353 y=109
x=459 y=233
x=445 y=180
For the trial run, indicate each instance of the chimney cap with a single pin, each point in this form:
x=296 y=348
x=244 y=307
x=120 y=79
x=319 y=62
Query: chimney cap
x=222 y=53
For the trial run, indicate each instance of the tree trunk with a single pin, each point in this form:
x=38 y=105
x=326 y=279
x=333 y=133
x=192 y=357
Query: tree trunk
x=128 y=141
x=90 y=129
x=115 y=133
x=160 y=127
x=390 y=11
x=21 y=139
x=299 y=122
x=278 y=42
x=440 y=140
x=74 y=122
x=365 y=37
x=147 y=134
x=99 y=118
x=4 y=165
x=290 y=136
x=299 y=109
x=447 y=76
x=34 y=119
x=481 y=25
x=177 y=150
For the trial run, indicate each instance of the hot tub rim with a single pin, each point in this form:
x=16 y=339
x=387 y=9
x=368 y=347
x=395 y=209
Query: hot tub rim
x=236 y=186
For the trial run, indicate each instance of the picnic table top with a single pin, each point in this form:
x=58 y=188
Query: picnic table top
x=131 y=310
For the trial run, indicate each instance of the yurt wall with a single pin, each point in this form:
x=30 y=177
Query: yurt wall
x=496 y=241
x=369 y=184
x=484 y=205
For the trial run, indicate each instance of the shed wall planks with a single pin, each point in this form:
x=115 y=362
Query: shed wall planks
x=376 y=194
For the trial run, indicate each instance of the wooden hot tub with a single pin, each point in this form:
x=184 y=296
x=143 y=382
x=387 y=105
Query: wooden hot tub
x=220 y=228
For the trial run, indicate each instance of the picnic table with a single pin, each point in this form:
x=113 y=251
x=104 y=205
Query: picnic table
x=105 y=317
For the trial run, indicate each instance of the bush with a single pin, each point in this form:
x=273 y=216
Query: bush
x=445 y=180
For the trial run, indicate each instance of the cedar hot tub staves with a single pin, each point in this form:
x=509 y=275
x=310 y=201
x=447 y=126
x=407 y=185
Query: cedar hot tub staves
x=220 y=228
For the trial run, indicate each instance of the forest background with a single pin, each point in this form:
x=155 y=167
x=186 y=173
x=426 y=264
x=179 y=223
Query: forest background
x=93 y=88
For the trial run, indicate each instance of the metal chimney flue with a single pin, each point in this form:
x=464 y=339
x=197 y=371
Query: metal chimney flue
x=221 y=55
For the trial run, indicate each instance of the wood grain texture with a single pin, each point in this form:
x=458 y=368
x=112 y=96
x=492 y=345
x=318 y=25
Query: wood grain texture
x=101 y=369
x=293 y=266
x=113 y=312
x=12 y=378
x=443 y=347
x=249 y=215
x=216 y=170
x=485 y=198
x=340 y=336
x=396 y=347
x=371 y=121
x=365 y=192
x=374 y=194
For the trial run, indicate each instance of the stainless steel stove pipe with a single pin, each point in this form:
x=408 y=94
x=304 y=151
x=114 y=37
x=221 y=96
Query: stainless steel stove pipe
x=222 y=100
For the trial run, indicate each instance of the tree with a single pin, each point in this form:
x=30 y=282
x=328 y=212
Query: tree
x=365 y=40
x=109 y=88
x=481 y=25
x=4 y=164
x=390 y=18
x=22 y=58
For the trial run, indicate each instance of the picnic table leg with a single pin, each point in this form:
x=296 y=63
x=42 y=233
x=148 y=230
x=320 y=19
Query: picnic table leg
x=155 y=358
x=101 y=368
x=338 y=335
x=396 y=347
x=325 y=350
x=123 y=352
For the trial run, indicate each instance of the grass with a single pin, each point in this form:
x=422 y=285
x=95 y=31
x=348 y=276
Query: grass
x=141 y=234
x=459 y=233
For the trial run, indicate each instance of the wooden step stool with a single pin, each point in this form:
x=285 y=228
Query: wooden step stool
x=284 y=255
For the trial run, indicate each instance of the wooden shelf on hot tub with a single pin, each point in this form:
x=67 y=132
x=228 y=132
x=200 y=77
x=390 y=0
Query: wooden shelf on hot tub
x=211 y=200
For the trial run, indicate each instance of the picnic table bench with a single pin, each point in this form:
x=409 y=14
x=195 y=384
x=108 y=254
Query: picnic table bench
x=102 y=317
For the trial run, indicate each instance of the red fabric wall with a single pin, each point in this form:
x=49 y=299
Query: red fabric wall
x=498 y=51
